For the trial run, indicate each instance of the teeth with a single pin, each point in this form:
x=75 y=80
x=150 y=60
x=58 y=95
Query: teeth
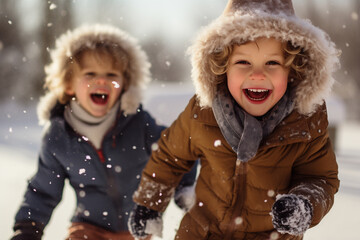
x=258 y=90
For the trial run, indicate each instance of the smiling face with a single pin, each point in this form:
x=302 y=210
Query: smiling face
x=96 y=83
x=256 y=76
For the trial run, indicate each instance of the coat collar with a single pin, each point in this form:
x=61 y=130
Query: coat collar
x=294 y=128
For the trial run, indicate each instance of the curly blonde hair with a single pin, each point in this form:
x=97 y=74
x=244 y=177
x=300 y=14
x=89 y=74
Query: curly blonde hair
x=117 y=55
x=295 y=58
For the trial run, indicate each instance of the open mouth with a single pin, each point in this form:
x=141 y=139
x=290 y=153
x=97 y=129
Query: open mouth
x=99 y=98
x=257 y=95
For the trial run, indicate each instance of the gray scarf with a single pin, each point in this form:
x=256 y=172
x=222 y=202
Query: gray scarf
x=92 y=128
x=243 y=131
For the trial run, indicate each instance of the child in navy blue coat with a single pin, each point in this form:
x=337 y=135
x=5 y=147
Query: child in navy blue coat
x=96 y=135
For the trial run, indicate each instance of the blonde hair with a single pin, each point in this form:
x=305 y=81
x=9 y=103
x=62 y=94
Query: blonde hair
x=295 y=58
x=117 y=55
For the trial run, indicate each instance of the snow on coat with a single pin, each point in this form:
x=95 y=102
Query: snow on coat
x=296 y=158
x=234 y=198
x=103 y=189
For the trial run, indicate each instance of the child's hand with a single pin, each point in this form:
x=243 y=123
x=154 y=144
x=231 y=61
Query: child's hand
x=291 y=214
x=27 y=230
x=144 y=221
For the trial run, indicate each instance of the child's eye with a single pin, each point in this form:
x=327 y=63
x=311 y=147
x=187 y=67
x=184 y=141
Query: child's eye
x=272 y=63
x=242 y=62
x=111 y=75
x=90 y=74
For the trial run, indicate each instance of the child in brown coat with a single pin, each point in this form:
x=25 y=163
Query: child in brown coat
x=257 y=123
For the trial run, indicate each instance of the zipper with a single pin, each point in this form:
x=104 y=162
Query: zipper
x=240 y=196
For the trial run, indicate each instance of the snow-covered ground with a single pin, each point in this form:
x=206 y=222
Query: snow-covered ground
x=20 y=140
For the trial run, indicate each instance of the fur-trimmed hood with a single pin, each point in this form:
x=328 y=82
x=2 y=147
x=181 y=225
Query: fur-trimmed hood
x=245 y=20
x=70 y=42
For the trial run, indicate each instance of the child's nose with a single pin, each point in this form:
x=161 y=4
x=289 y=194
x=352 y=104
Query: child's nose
x=100 y=79
x=257 y=75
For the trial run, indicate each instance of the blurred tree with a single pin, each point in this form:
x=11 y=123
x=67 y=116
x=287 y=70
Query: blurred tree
x=11 y=48
x=58 y=18
x=23 y=55
x=342 y=24
x=167 y=64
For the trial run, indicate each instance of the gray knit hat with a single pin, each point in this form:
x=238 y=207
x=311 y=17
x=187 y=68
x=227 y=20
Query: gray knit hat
x=245 y=20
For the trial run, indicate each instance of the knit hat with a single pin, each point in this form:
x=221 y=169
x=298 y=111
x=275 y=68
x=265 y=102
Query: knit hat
x=88 y=36
x=246 y=20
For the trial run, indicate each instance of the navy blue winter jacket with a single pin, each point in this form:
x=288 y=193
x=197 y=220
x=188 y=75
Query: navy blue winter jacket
x=104 y=181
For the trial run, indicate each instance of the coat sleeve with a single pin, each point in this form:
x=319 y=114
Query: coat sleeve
x=172 y=157
x=315 y=174
x=44 y=190
x=152 y=132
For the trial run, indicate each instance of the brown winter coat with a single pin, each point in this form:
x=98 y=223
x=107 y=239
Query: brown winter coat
x=234 y=199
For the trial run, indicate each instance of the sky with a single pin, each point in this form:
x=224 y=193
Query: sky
x=175 y=20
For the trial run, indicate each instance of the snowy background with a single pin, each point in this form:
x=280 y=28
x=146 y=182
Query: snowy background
x=19 y=144
x=165 y=28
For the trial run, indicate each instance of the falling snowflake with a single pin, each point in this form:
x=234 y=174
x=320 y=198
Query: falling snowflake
x=238 y=220
x=82 y=171
x=354 y=16
x=217 y=143
x=116 y=84
x=271 y=193
x=82 y=194
x=52 y=6
x=154 y=146
x=118 y=169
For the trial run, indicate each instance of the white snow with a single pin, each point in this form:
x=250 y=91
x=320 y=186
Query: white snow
x=18 y=160
x=154 y=227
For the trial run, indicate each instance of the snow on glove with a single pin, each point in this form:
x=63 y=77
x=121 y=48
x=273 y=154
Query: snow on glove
x=144 y=221
x=27 y=230
x=291 y=214
x=185 y=197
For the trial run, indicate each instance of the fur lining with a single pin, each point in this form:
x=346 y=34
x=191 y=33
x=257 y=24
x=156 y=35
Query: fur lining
x=70 y=42
x=240 y=27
